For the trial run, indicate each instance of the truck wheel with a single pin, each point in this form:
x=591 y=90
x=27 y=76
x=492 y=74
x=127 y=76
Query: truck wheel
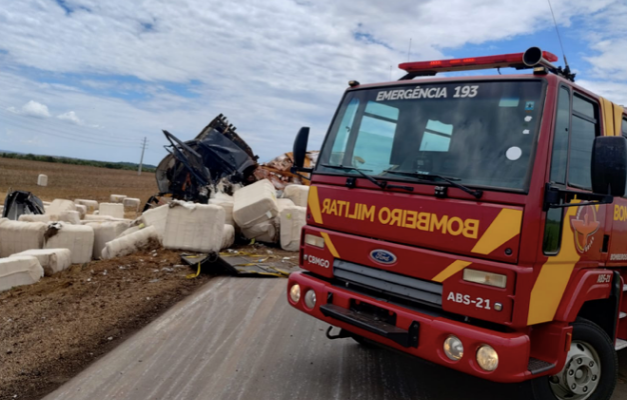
x=590 y=371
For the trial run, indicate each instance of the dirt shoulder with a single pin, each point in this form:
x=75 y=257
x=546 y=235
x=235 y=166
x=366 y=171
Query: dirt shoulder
x=51 y=330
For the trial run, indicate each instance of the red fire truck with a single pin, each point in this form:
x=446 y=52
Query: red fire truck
x=477 y=222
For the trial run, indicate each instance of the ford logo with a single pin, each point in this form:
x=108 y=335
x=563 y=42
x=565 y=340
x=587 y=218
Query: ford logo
x=383 y=256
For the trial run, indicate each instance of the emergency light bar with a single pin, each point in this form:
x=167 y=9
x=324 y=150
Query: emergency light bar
x=533 y=57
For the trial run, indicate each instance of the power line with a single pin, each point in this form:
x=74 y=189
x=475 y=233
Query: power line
x=61 y=136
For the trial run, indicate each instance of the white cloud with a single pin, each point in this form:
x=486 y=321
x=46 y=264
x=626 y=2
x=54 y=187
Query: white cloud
x=70 y=116
x=32 y=109
x=270 y=67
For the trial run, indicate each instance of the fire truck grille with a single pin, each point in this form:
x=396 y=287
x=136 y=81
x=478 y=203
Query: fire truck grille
x=356 y=277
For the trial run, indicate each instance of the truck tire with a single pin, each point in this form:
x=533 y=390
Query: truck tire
x=590 y=372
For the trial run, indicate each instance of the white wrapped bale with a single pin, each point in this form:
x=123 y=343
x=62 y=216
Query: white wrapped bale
x=284 y=203
x=297 y=193
x=17 y=236
x=157 y=217
x=228 y=236
x=82 y=210
x=226 y=202
x=18 y=271
x=262 y=232
x=78 y=238
x=254 y=204
x=112 y=210
x=129 y=244
x=42 y=180
x=131 y=204
x=71 y=217
x=194 y=227
x=46 y=203
x=104 y=232
x=59 y=205
x=117 y=198
x=130 y=230
x=51 y=260
x=92 y=205
x=35 y=218
x=94 y=217
x=292 y=221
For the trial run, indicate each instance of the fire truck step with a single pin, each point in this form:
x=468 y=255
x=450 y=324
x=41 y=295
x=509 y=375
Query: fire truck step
x=620 y=344
x=406 y=338
x=536 y=366
x=622 y=315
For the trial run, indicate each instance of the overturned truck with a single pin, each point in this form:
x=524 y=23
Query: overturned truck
x=218 y=160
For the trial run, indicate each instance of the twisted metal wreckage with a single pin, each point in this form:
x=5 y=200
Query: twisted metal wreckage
x=214 y=161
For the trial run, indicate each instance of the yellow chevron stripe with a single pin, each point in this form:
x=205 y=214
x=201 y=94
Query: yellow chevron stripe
x=549 y=288
x=329 y=244
x=505 y=226
x=451 y=270
x=607 y=111
x=314 y=204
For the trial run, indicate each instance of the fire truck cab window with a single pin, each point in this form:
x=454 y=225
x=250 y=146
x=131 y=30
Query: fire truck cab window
x=376 y=135
x=465 y=130
x=559 y=159
x=624 y=127
x=583 y=132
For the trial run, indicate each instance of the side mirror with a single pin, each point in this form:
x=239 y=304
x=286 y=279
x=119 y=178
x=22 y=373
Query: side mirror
x=300 y=148
x=609 y=165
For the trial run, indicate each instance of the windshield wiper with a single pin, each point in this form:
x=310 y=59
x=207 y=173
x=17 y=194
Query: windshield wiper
x=382 y=185
x=451 y=180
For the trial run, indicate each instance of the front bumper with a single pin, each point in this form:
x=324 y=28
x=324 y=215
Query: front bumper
x=513 y=348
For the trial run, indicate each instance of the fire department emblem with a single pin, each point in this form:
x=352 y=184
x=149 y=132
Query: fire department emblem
x=585 y=225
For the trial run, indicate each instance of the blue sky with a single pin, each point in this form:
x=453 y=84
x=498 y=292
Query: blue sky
x=91 y=79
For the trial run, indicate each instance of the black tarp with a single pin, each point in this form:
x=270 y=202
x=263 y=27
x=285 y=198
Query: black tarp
x=19 y=202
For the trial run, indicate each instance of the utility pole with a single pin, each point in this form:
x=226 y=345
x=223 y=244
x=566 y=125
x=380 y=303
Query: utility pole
x=141 y=160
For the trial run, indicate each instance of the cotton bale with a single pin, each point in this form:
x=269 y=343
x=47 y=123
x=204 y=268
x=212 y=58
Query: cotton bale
x=82 y=210
x=59 y=205
x=131 y=204
x=71 y=217
x=194 y=227
x=228 y=236
x=17 y=236
x=19 y=271
x=130 y=230
x=36 y=217
x=226 y=202
x=297 y=193
x=262 y=232
x=130 y=243
x=254 y=204
x=92 y=205
x=42 y=180
x=117 y=198
x=78 y=238
x=115 y=210
x=51 y=260
x=104 y=232
x=157 y=217
x=292 y=221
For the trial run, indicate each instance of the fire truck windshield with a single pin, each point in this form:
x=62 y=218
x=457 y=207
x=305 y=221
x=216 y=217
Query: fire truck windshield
x=481 y=133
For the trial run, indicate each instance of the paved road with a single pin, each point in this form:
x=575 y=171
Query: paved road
x=237 y=338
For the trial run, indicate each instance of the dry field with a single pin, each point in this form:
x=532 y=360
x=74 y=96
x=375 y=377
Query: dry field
x=73 y=181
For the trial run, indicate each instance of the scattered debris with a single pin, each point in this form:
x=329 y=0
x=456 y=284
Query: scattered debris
x=19 y=202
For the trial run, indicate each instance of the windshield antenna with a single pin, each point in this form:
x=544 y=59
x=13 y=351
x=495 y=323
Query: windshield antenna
x=559 y=37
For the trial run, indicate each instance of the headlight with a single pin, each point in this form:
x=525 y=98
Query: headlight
x=310 y=298
x=487 y=358
x=485 y=278
x=453 y=348
x=314 y=240
x=295 y=292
